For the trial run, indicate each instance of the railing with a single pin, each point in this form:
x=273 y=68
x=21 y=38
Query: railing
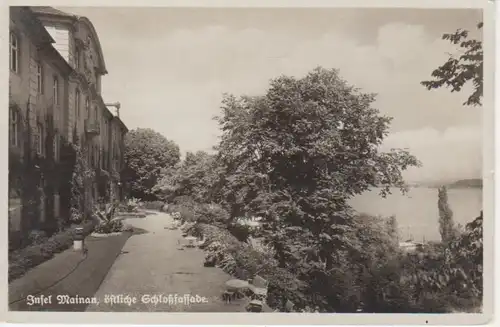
x=92 y=127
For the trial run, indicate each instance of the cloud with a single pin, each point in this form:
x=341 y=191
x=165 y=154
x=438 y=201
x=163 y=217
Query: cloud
x=455 y=153
x=173 y=82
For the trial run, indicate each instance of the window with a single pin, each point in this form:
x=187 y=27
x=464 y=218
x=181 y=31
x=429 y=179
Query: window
x=14 y=53
x=55 y=145
x=39 y=78
x=77 y=58
x=14 y=127
x=98 y=155
x=77 y=104
x=56 y=117
x=98 y=83
x=39 y=139
x=56 y=90
x=87 y=107
x=95 y=113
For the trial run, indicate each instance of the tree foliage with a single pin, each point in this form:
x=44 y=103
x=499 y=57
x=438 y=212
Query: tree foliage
x=450 y=274
x=296 y=155
x=393 y=228
x=146 y=153
x=459 y=272
x=466 y=253
x=459 y=69
x=446 y=223
x=81 y=181
x=195 y=176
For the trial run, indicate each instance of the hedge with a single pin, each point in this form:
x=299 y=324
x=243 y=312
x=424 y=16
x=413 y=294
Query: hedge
x=22 y=260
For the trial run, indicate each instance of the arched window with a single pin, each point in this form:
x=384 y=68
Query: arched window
x=14 y=53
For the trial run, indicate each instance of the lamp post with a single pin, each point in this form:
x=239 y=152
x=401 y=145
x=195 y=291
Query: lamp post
x=78 y=239
x=120 y=192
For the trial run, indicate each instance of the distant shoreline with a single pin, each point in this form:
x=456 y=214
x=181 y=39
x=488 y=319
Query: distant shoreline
x=475 y=183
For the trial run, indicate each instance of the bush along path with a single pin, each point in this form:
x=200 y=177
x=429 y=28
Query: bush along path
x=22 y=260
x=64 y=282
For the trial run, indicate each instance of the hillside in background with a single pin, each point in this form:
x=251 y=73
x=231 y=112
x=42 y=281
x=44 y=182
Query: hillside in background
x=462 y=183
x=467 y=183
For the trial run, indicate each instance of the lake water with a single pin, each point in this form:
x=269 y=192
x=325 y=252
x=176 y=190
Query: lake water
x=417 y=212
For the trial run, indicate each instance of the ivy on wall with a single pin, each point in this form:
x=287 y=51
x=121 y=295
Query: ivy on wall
x=81 y=183
x=35 y=178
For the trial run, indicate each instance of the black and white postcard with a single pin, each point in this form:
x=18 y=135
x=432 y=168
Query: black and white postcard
x=295 y=162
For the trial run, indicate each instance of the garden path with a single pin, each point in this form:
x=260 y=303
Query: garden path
x=152 y=264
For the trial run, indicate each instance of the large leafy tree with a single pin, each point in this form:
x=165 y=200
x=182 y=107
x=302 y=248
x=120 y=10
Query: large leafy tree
x=462 y=67
x=147 y=153
x=465 y=253
x=296 y=155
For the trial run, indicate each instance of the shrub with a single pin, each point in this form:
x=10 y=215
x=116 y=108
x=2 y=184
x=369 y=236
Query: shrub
x=241 y=232
x=37 y=237
x=183 y=213
x=152 y=205
x=132 y=205
x=108 y=223
x=184 y=200
x=114 y=226
x=20 y=261
x=128 y=228
x=243 y=261
x=211 y=214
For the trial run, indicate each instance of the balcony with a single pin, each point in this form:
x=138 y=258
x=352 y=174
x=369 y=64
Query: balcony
x=92 y=127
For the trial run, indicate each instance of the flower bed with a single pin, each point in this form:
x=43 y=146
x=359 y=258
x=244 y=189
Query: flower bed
x=106 y=234
x=125 y=215
x=20 y=261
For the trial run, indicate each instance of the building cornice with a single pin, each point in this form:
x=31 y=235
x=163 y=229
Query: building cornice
x=36 y=31
x=52 y=15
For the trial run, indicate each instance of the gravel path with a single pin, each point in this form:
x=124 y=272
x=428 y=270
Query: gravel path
x=152 y=264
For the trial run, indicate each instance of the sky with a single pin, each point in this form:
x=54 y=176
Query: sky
x=170 y=66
